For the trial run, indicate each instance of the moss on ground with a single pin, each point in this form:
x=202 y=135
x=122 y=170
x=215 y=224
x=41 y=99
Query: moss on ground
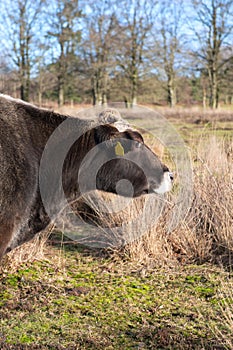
x=91 y=303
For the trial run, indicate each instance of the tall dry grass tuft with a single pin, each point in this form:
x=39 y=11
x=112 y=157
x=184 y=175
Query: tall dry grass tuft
x=211 y=215
x=204 y=235
x=154 y=248
x=34 y=250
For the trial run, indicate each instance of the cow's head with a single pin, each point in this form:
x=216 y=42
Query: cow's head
x=130 y=167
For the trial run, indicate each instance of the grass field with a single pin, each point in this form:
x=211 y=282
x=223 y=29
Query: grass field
x=82 y=301
x=157 y=293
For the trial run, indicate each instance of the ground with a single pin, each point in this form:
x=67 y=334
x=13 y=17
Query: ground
x=84 y=301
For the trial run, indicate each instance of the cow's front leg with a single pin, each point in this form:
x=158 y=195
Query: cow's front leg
x=6 y=233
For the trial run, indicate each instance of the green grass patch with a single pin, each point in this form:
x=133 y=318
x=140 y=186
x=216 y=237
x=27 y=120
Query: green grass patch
x=89 y=304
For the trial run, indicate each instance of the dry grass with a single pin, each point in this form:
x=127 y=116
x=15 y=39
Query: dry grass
x=197 y=114
x=210 y=220
x=36 y=249
x=204 y=235
x=224 y=334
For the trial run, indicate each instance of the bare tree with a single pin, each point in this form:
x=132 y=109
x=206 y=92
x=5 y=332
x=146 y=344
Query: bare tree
x=20 y=20
x=226 y=77
x=99 y=47
x=64 y=28
x=212 y=28
x=136 y=22
x=169 y=44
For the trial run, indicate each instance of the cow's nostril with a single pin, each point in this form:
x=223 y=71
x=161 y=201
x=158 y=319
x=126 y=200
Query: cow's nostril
x=171 y=176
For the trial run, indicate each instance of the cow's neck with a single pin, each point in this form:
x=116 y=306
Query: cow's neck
x=72 y=163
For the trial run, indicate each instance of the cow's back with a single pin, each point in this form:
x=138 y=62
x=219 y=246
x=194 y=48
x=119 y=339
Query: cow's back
x=25 y=130
x=17 y=158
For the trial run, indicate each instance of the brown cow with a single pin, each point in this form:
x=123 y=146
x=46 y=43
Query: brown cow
x=29 y=182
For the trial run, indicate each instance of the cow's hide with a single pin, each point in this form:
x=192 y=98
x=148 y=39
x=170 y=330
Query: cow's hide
x=48 y=160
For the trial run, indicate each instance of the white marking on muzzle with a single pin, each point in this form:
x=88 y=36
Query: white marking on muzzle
x=166 y=184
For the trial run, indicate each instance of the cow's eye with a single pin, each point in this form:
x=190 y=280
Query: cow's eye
x=138 y=144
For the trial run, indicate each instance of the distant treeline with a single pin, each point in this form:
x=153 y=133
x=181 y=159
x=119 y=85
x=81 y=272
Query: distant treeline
x=94 y=51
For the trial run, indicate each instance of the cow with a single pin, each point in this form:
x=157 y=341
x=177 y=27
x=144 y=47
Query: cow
x=26 y=132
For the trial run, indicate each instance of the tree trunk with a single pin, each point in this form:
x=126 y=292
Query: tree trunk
x=60 y=91
x=40 y=88
x=171 y=92
x=27 y=84
x=24 y=83
x=134 y=85
x=134 y=101
x=93 y=97
x=22 y=65
x=61 y=79
x=99 y=89
x=27 y=70
x=104 y=88
x=104 y=99
x=40 y=98
x=213 y=102
x=96 y=95
x=21 y=91
x=204 y=98
x=24 y=61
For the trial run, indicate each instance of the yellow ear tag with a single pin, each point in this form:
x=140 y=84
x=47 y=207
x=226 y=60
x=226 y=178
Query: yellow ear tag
x=119 y=150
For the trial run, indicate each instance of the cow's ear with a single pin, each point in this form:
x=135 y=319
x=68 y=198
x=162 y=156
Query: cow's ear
x=132 y=135
x=129 y=140
x=104 y=133
x=111 y=140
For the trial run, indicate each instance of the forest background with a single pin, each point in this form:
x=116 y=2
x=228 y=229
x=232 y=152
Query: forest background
x=163 y=52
